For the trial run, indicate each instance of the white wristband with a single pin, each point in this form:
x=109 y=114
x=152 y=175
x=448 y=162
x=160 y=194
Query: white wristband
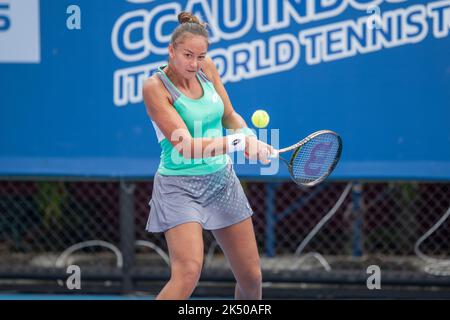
x=235 y=142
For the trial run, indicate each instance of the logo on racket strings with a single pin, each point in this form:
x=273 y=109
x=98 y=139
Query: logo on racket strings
x=317 y=158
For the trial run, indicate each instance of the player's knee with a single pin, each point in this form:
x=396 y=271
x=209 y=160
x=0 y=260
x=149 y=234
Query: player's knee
x=252 y=279
x=188 y=273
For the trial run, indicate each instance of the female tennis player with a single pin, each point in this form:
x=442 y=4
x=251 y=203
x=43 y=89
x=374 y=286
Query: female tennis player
x=195 y=187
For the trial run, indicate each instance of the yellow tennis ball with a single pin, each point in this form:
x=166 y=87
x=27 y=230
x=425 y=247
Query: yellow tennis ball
x=260 y=119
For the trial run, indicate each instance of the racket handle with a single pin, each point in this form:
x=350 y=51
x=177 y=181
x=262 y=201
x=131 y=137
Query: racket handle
x=274 y=154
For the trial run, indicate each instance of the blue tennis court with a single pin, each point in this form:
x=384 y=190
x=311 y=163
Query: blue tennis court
x=30 y=297
x=70 y=297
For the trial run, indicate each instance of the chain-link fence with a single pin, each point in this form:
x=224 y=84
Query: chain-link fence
x=327 y=234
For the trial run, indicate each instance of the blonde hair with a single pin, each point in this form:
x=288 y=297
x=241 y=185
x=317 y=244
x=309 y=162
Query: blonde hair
x=188 y=24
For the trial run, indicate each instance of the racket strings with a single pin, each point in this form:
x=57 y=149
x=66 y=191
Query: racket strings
x=316 y=158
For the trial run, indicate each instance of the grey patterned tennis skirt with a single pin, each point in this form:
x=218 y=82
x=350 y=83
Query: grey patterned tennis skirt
x=214 y=200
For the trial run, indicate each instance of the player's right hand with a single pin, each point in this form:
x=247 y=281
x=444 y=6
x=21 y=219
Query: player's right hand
x=257 y=150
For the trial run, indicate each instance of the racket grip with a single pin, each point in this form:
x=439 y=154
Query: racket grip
x=274 y=154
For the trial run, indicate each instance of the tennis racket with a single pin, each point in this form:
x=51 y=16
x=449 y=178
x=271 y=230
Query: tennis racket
x=314 y=157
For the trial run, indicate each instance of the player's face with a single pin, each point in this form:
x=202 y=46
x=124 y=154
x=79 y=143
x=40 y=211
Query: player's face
x=188 y=55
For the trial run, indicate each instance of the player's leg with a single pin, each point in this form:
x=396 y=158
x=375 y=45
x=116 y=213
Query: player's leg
x=239 y=245
x=185 y=244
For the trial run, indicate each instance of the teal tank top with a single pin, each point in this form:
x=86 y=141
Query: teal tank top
x=203 y=118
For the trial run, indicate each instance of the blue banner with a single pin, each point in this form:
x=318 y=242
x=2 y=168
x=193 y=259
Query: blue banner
x=377 y=72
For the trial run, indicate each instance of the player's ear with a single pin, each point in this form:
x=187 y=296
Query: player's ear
x=171 y=51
